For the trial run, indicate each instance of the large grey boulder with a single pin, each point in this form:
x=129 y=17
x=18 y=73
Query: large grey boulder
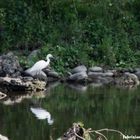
x=78 y=69
x=9 y=65
x=78 y=77
x=51 y=75
x=37 y=74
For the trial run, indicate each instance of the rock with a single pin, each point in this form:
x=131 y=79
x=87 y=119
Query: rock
x=27 y=78
x=19 y=84
x=9 y=65
x=38 y=85
x=137 y=69
x=78 y=69
x=100 y=77
x=128 y=79
x=106 y=80
x=94 y=75
x=79 y=77
x=96 y=69
x=53 y=74
x=138 y=74
x=101 y=80
x=108 y=74
x=132 y=77
x=39 y=75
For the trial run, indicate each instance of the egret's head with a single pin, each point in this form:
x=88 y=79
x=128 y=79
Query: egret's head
x=49 y=56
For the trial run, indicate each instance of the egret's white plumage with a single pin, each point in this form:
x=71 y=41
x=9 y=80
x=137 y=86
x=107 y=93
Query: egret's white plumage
x=36 y=69
x=40 y=64
x=42 y=114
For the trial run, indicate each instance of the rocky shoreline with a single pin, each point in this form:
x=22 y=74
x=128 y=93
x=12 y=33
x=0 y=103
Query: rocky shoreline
x=104 y=76
x=12 y=78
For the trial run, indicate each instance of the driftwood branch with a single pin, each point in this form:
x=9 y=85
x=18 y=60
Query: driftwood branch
x=80 y=133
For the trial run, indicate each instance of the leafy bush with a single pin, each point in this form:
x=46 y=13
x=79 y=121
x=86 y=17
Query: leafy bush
x=78 y=32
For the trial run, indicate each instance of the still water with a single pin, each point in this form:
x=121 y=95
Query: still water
x=97 y=107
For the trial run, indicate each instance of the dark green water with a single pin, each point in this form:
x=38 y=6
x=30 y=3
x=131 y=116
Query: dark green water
x=97 y=107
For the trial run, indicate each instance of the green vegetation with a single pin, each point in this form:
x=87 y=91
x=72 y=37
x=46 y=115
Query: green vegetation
x=105 y=32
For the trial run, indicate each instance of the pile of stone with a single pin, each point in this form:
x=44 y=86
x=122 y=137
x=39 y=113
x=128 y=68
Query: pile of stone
x=99 y=75
x=9 y=66
x=78 y=74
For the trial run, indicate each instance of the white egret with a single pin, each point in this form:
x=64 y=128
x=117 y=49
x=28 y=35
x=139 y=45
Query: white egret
x=42 y=114
x=36 y=69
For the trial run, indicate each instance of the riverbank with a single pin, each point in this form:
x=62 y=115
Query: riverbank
x=12 y=76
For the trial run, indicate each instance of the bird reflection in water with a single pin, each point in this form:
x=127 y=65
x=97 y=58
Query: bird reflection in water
x=42 y=114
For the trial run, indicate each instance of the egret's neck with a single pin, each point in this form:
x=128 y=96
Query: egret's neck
x=48 y=59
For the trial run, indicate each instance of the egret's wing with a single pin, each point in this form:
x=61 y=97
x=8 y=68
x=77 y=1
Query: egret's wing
x=38 y=66
x=42 y=114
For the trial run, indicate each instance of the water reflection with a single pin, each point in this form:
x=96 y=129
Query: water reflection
x=100 y=107
x=42 y=114
x=78 y=87
x=15 y=98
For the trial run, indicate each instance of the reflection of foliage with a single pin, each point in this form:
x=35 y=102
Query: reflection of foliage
x=104 y=107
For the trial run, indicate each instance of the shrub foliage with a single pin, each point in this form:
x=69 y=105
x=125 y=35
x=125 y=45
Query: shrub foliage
x=76 y=31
